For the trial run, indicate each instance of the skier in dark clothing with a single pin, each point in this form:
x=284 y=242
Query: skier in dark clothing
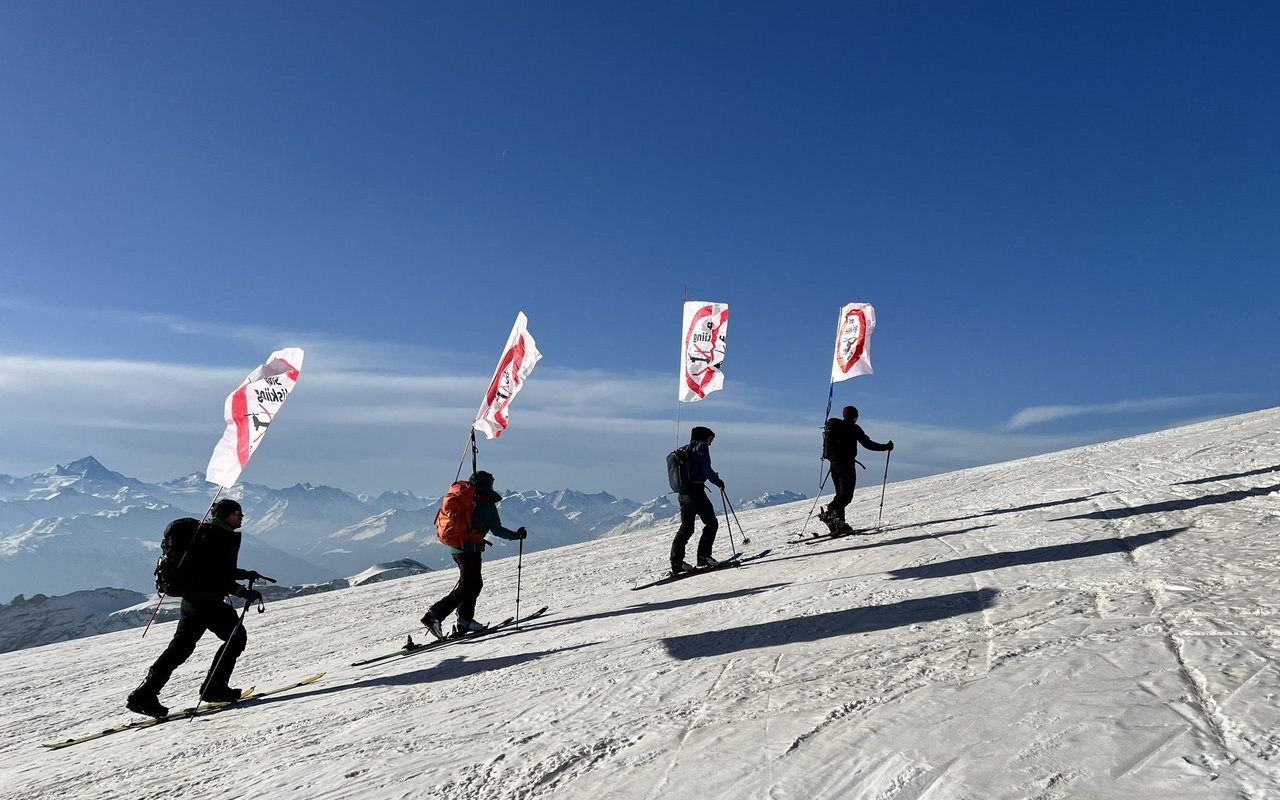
x=468 y=557
x=694 y=503
x=206 y=575
x=840 y=440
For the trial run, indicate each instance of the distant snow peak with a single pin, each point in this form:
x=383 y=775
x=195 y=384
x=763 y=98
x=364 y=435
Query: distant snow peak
x=772 y=499
x=389 y=570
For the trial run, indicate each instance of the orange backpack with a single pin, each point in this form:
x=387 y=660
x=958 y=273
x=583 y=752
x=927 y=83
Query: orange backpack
x=457 y=510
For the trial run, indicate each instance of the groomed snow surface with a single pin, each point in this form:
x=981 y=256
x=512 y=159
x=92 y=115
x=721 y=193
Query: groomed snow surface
x=1096 y=623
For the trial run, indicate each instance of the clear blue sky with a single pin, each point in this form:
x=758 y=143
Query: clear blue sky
x=1066 y=215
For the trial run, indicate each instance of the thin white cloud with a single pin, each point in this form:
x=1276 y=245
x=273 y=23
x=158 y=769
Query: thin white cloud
x=1038 y=415
x=369 y=416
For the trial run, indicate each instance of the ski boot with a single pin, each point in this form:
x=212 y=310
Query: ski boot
x=466 y=627
x=432 y=624
x=220 y=694
x=146 y=704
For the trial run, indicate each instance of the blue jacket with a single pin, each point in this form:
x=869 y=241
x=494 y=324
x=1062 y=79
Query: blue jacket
x=700 y=471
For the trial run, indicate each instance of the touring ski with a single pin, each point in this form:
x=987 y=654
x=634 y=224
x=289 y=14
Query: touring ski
x=411 y=647
x=735 y=560
x=815 y=538
x=186 y=713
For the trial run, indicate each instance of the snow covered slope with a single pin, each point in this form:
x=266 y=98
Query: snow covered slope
x=1097 y=623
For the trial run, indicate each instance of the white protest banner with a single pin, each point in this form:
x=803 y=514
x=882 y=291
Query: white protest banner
x=702 y=346
x=853 y=342
x=249 y=410
x=518 y=359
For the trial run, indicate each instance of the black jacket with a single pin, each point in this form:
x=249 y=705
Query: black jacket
x=209 y=567
x=840 y=440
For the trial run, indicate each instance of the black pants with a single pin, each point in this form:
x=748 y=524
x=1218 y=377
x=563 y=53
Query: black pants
x=844 y=478
x=199 y=614
x=695 y=504
x=464 y=594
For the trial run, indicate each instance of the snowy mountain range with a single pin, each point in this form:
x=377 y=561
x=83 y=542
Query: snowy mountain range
x=82 y=526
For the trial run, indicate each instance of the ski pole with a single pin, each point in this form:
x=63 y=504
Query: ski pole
x=821 y=485
x=724 y=503
x=154 y=611
x=745 y=538
x=519 y=569
x=887 y=453
x=222 y=651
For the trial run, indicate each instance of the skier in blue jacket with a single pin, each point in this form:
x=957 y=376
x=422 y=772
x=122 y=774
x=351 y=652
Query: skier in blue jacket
x=694 y=503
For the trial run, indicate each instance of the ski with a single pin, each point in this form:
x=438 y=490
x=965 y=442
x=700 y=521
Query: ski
x=737 y=559
x=186 y=713
x=815 y=538
x=412 y=648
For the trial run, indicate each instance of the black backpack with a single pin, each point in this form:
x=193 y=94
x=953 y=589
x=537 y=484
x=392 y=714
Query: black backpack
x=678 y=470
x=178 y=536
x=833 y=444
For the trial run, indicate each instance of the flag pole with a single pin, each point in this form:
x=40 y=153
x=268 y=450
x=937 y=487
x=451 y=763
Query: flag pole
x=682 y=304
x=462 y=459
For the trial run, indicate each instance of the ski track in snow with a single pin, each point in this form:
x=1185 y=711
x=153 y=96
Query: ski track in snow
x=1100 y=622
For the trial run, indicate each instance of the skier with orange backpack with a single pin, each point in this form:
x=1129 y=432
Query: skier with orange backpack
x=468 y=511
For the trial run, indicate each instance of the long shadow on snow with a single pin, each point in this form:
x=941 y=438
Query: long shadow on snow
x=1262 y=471
x=641 y=608
x=1013 y=510
x=1036 y=555
x=819 y=551
x=832 y=623
x=448 y=669
x=1180 y=504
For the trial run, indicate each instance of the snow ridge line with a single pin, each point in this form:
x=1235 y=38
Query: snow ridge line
x=688 y=731
x=840 y=713
x=1202 y=700
x=987 y=625
x=1214 y=722
x=1217 y=721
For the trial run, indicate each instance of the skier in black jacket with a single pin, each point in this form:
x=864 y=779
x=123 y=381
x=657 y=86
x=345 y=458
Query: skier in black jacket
x=695 y=503
x=840 y=440
x=207 y=574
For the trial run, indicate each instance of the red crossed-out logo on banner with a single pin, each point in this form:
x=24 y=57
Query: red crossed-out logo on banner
x=851 y=341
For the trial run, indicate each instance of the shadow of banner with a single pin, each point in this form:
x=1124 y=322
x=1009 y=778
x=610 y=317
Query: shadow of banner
x=1036 y=555
x=832 y=623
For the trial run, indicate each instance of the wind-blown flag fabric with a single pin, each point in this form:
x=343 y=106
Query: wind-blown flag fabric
x=853 y=342
x=702 y=346
x=517 y=361
x=249 y=411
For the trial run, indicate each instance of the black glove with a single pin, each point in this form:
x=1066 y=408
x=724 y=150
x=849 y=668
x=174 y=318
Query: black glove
x=890 y=444
x=721 y=485
x=521 y=533
x=252 y=595
x=254 y=575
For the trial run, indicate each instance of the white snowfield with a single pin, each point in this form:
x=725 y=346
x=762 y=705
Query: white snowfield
x=1096 y=623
